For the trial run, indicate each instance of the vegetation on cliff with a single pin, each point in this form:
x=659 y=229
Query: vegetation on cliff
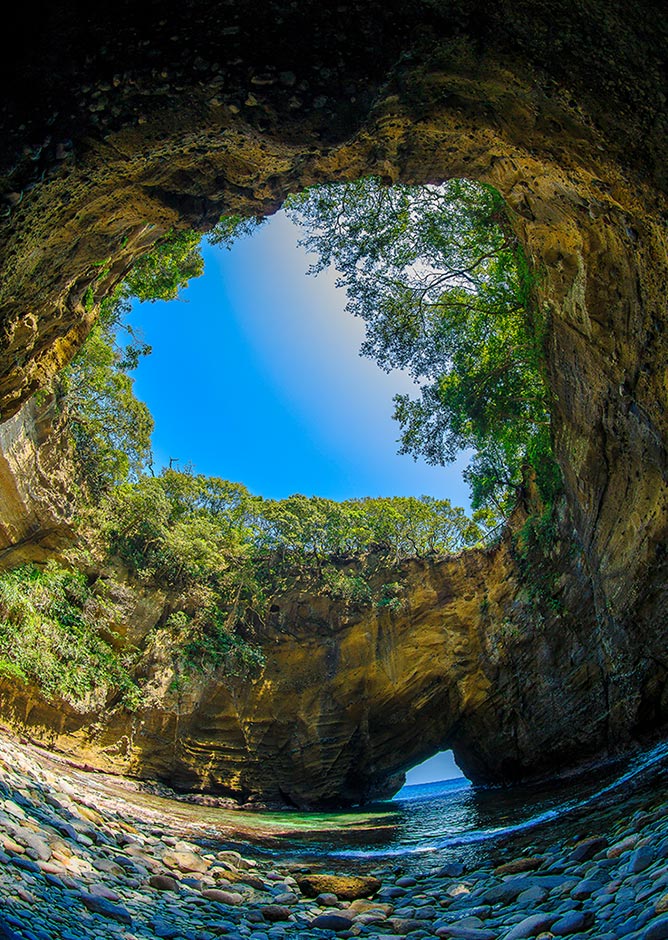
x=50 y=634
x=439 y=278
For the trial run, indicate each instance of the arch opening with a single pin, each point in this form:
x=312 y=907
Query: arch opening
x=571 y=146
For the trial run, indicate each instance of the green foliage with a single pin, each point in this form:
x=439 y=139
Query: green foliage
x=446 y=293
x=48 y=635
x=110 y=428
x=210 y=645
x=533 y=546
x=185 y=528
x=232 y=227
x=165 y=269
x=348 y=587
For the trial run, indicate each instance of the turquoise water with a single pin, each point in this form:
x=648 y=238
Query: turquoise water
x=427 y=825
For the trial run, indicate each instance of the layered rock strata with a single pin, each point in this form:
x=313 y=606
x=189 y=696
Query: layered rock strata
x=496 y=654
x=126 y=126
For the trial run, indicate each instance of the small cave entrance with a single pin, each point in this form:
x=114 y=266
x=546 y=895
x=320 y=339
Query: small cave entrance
x=436 y=769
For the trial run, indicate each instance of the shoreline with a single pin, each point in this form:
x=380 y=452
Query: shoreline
x=90 y=855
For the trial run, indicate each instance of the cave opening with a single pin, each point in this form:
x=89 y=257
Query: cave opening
x=256 y=360
x=436 y=769
x=580 y=172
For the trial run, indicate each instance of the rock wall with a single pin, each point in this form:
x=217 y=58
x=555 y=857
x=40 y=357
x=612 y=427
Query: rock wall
x=128 y=124
x=36 y=475
x=495 y=654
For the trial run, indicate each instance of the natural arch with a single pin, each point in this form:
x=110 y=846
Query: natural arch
x=558 y=107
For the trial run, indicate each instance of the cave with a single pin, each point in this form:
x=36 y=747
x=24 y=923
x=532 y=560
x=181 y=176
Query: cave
x=138 y=121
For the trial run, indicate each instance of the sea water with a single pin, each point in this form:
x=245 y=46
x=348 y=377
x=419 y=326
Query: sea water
x=431 y=824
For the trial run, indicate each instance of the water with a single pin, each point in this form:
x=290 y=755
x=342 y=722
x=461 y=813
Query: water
x=427 y=825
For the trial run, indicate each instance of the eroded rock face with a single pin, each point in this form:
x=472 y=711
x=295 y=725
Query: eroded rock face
x=496 y=654
x=36 y=475
x=215 y=108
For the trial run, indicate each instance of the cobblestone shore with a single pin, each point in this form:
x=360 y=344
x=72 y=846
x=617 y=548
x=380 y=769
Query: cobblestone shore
x=79 y=862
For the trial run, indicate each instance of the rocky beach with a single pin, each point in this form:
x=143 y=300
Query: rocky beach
x=87 y=855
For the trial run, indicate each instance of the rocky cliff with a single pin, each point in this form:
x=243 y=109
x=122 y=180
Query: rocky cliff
x=480 y=655
x=495 y=654
x=127 y=125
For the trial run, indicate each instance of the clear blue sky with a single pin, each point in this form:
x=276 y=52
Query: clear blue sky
x=440 y=767
x=256 y=377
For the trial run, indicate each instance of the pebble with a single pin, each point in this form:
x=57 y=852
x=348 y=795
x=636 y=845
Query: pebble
x=74 y=867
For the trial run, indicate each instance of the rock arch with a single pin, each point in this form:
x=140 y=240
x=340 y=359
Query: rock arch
x=148 y=119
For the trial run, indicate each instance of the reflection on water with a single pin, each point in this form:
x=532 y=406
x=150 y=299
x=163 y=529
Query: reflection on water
x=431 y=824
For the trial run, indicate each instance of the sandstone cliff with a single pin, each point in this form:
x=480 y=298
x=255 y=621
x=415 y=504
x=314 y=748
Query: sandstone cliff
x=493 y=653
x=561 y=107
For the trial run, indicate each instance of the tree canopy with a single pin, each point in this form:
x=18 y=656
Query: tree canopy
x=441 y=282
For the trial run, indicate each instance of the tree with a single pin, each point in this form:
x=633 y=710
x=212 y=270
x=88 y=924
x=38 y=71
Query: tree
x=111 y=429
x=440 y=280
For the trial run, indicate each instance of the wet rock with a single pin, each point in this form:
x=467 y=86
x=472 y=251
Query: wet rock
x=457 y=932
x=519 y=865
x=641 y=859
x=588 y=848
x=573 y=922
x=163 y=882
x=275 y=913
x=658 y=930
x=506 y=892
x=106 y=908
x=222 y=897
x=404 y=925
x=530 y=926
x=185 y=861
x=451 y=870
x=346 y=887
x=334 y=922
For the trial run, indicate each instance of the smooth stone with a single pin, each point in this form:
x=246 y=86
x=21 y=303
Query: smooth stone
x=466 y=933
x=658 y=930
x=585 y=889
x=276 y=912
x=404 y=925
x=185 y=861
x=347 y=887
x=588 y=848
x=573 y=922
x=530 y=926
x=508 y=891
x=222 y=897
x=99 y=905
x=451 y=870
x=334 y=922
x=103 y=892
x=327 y=900
x=163 y=882
x=624 y=845
x=26 y=864
x=535 y=895
x=641 y=859
x=519 y=865
x=286 y=897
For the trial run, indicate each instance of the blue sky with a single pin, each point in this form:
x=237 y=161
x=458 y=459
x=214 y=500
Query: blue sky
x=256 y=377
x=440 y=767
